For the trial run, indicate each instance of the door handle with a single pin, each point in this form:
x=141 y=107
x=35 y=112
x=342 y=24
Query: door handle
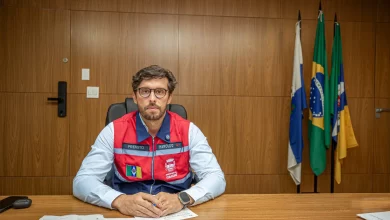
x=378 y=111
x=61 y=99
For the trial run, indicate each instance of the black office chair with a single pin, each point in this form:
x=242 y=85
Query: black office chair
x=118 y=110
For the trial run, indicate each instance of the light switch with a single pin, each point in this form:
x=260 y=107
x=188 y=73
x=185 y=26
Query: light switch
x=84 y=74
x=92 y=92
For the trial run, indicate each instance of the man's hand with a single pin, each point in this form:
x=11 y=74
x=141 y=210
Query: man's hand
x=170 y=203
x=140 y=204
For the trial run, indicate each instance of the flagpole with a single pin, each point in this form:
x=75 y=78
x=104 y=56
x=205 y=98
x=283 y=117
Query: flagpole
x=299 y=19
x=315 y=176
x=333 y=142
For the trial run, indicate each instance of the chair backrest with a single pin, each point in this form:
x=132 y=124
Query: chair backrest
x=117 y=110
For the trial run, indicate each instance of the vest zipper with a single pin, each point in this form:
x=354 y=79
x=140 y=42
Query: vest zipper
x=154 y=152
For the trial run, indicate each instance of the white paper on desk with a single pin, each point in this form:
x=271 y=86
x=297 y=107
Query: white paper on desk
x=375 y=216
x=73 y=217
x=183 y=214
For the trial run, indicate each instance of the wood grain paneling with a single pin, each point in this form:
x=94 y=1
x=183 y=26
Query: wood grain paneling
x=383 y=11
x=227 y=53
x=149 y=6
x=380 y=183
x=358 y=41
x=252 y=184
x=347 y=10
x=261 y=136
x=33 y=140
x=114 y=46
x=287 y=185
x=94 y=5
x=215 y=116
x=246 y=8
x=382 y=139
x=34 y=42
x=52 y=4
x=35 y=186
x=87 y=119
x=142 y=6
x=382 y=76
x=354 y=183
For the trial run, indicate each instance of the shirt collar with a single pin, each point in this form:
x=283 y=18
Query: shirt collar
x=163 y=133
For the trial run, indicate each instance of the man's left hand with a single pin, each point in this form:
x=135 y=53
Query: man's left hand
x=170 y=203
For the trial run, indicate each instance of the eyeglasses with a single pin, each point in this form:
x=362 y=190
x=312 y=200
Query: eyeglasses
x=159 y=92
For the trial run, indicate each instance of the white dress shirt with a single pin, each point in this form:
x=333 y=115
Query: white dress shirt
x=88 y=184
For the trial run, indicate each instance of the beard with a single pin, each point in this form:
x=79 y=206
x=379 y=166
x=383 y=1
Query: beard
x=150 y=115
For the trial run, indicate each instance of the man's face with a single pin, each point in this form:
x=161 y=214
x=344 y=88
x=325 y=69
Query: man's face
x=152 y=108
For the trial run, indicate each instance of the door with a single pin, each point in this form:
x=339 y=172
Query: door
x=34 y=141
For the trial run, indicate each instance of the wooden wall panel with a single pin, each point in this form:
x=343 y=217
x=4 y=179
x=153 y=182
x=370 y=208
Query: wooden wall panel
x=94 y=5
x=354 y=183
x=222 y=51
x=252 y=184
x=246 y=8
x=383 y=11
x=34 y=43
x=33 y=140
x=347 y=10
x=351 y=183
x=261 y=136
x=52 y=4
x=215 y=116
x=287 y=185
x=149 y=6
x=142 y=6
x=382 y=76
x=381 y=153
x=87 y=119
x=380 y=183
x=116 y=45
x=35 y=185
x=358 y=41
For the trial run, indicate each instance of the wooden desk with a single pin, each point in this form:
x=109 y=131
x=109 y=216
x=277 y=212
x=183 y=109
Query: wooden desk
x=237 y=206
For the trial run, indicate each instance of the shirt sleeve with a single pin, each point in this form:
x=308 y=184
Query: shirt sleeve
x=88 y=184
x=208 y=174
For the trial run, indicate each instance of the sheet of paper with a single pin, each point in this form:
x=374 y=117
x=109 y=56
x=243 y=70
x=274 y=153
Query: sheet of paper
x=375 y=216
x=118 y=218
x=183 y=214
x=73 y=217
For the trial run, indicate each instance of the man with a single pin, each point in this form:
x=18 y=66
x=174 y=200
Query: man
x=153 y=154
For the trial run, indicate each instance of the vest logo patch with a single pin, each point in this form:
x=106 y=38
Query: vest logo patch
x=134 y=171
x=169 y=146
x=170 y=167
x=135 y=147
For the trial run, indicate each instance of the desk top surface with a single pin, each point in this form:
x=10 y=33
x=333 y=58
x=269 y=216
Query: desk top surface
x=229 y=206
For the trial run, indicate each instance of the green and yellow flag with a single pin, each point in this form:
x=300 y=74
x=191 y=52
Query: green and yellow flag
x=342 y=133
x=319 y=114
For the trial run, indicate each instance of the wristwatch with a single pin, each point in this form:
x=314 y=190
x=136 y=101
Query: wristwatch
x=184 y=198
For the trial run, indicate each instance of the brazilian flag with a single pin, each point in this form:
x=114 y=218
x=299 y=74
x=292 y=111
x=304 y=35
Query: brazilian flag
x=319 y=114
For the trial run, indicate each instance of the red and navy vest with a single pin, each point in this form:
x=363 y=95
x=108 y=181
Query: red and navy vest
x=151 y=165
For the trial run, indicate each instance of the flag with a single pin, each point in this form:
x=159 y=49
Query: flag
x=298 y=104
x=342 y=133
x=319 y=114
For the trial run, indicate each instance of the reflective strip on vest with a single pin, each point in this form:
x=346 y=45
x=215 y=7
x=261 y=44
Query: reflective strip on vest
x=150 y=153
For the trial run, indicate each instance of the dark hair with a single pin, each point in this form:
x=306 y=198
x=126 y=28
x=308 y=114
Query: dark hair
x=154 y=72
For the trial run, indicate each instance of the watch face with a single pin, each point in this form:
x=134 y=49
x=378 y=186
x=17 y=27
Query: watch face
x=184 y=197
